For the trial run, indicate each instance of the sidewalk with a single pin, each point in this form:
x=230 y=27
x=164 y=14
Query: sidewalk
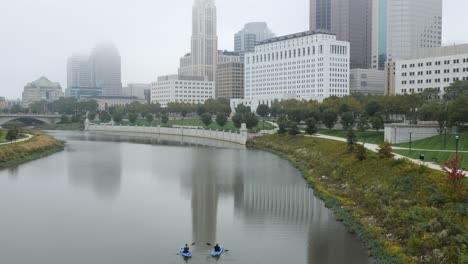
x=375 y=148
x=18 y=141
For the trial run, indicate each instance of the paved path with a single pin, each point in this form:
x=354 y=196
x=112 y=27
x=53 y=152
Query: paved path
x=375 y=148
x=28 y=137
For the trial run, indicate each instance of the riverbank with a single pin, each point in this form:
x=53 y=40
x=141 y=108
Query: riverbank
x=39 y=146
x=392 y=205
x=69 y=126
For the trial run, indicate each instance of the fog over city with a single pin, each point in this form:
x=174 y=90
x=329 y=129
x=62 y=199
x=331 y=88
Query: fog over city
x=151 y=35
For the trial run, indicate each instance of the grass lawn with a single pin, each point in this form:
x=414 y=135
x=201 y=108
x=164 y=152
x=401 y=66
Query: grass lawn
x=3 y=135
x=197 y=122
x=442 y=157
x=437 y=143
x=372 y=137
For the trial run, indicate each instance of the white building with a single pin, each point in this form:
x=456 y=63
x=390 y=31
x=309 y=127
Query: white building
x=203 y=58
x=41 y=89
x=182 y=89
x=366 y=81
x=401 y=27
x=136 y=90
x=431 y=68
x=307 y=65
x=104 y=102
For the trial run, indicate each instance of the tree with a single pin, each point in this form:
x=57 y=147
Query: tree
x=351 y=139
x=201 y=109
x=15 y=109
x=149 y=118
x=165 y=118
x=377 y=122
x=221 y=119
x=206 y=118
x=363 y=124
x=458 y=110
x=373 y=107
x=91 y=115
x=132 y=117
x=237 y=119
x=385 y=150
x=242 y=109
x=263 y=110
x=64 y=119
x=311 y=126
x=293 y=128
x=347 y=120
x=104 y=116
x=361 y=152
x=456 y=90
x=282 y=122
x=251 y=120
x=329 y=119
x=12 y=134
x=455 y=188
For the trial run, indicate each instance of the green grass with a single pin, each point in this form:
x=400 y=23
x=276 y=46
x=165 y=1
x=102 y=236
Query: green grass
x=3 y=136
x=197 y=122
x=70 y=126
x=372 y=137
x=403 y=211
x=437 y=143
x=441 y=157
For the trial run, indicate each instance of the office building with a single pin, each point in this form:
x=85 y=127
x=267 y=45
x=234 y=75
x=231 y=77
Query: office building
x=41 y=89
x=307 y=65
x=106 y=70
x=83 y=92
x=401 y=28
x=78 y=71
x=230 y=80
x=203 y=58
x=104 y=102
x=434 y=68
x=350 y=20
x=136 y=90
x=366 y=81
x=252 y=33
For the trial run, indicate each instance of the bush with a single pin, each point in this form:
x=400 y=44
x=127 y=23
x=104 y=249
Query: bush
x=454 y=188
x=251 y=120
x=237 y=119
x=206 y=118
x=361 y=152
x=311 y=126
x=221 y=119
x=149 y=118
x=132 y=118
x=116 y=116
x=104 y=116
x=283 y=122
x=165 y=119
x=385 y=150
x=293 y=128
x=351 y=140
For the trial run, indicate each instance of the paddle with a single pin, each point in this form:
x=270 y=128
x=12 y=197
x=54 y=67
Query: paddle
x=193 y=244
x=225 y=250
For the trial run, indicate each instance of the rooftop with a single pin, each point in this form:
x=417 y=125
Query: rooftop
x=44 y=82
x=293 y=36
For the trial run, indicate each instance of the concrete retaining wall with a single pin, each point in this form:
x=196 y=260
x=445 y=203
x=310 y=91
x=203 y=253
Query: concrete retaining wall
x=400 y=133
x=239 y=138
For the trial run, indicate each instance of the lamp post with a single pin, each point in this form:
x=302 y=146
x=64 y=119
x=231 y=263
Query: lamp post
x=395 y=136
x=457 y=139
x=410 y=141
x=445 y=137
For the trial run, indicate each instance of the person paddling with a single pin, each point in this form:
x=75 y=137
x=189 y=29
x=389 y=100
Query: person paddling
x=186 y=249
x=217 y=248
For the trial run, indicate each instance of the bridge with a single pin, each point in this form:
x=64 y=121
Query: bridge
x=48 y=119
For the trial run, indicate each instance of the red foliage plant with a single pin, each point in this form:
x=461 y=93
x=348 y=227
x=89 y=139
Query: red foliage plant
x=456 y=177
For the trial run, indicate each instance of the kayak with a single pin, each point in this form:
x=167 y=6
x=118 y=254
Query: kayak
x=217 y=253
x=185 y=255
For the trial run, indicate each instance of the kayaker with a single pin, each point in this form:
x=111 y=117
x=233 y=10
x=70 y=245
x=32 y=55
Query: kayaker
x=186 y=249
x=217 y=248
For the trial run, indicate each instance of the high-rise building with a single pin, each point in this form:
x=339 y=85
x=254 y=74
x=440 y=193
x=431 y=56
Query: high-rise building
x=204 y=55
x=106 y=70
x=136 y=90
x=252 y=33
x=78 y=71
x=230 y=80
x=41 y=89
x=350 y=20
x=402 y=27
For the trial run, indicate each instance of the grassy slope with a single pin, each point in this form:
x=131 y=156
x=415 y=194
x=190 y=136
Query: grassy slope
x=393 y=205
x=40 y=145
x=442 y=157
x=196 y=122
x=372 y=137
x=71 y=126
x=437 y=143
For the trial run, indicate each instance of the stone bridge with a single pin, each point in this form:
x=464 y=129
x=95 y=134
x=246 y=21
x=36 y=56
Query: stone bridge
x=48 y=119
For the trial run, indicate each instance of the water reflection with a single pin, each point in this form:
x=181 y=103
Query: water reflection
x=13 y=173
x=101 y=173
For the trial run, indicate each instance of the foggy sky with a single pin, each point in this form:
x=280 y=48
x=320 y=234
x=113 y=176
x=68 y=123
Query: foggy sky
x=37 y=36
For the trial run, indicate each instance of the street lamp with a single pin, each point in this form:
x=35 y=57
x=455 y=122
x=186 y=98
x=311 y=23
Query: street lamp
x=457 y=138
x=445 y=137
x=395 y=136
x=410 y=140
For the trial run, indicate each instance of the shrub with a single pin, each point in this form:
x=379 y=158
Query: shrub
x=221 y=119
x=132 y=118
x=361 y=152
x=206 y=118
x=251 y=120
x=385 y=150
x=293 y=128
x=149 y=118
x=351 y=140
x=454 y=187
x=237 y=119
x=311 y=126
x=165 y=119
x=283 y=122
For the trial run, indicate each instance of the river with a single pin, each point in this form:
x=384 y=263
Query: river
x=136 y=199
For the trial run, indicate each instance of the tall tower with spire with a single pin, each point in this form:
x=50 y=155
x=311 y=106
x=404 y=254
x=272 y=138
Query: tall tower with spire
x=204 y=56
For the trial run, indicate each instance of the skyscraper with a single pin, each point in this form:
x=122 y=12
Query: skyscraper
x=251 y=34
x=350 y=20
x=204 y=56
x=402 y=27
x=106 y=70
x=78 y=71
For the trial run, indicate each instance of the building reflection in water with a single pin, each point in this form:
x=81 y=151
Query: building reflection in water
x=94 y=170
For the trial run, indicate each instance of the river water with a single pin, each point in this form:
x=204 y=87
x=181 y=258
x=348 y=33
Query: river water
x=134 y=199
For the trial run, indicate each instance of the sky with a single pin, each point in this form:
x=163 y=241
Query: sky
x=37 y=36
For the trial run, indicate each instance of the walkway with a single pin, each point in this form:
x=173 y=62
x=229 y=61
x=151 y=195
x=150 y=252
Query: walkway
x=375 y=148
x=28 y=137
